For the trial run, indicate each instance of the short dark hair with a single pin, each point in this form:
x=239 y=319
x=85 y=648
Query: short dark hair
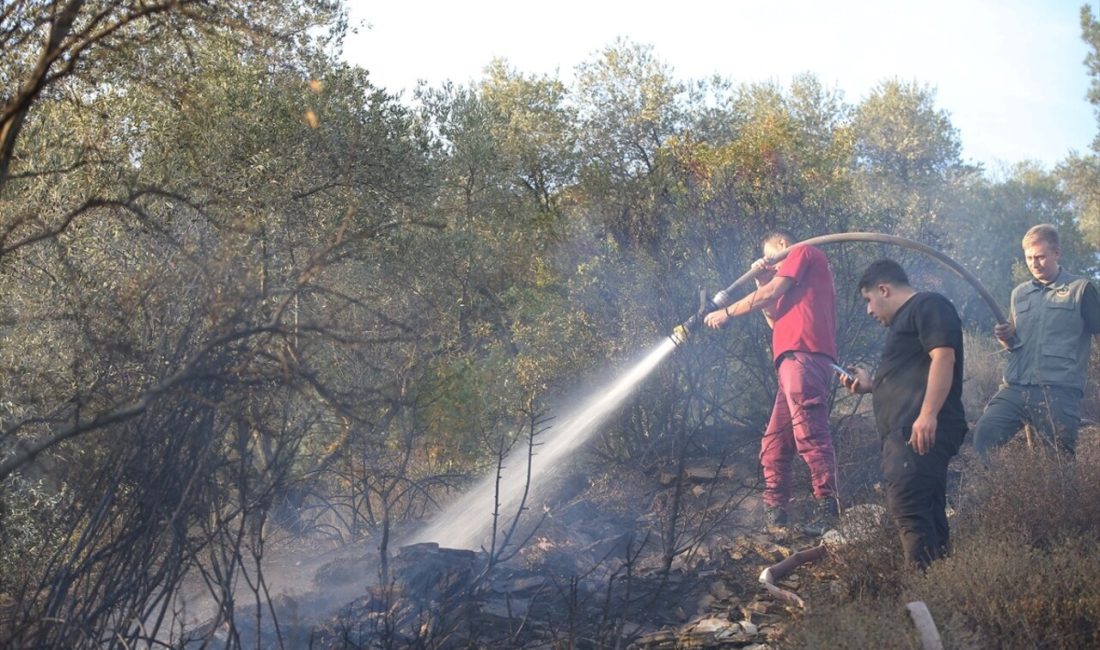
x=883 y=272
x=775 y=235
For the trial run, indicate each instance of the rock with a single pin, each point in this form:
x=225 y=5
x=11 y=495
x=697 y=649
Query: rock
x=519 y=586
x=720 y=590
x=757 y=611
x=611 y=547
x=710 y=624
x=430 y=572
x=657 y=639
x=768 y=550
x=697 y=474
x=341 y=571
x=515 y=608
x=578 y=512
x=733 y=634
x=859 y=522
x=790 y=582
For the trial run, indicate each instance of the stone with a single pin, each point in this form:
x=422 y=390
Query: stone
x=515 y=608
x=515 y=586
x=578 y=512
x=710 y=624
x=720 y=590
x=696 y=474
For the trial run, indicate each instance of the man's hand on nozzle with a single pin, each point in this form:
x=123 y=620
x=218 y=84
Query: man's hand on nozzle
x=1005 y=332
x=860 y=382
x=716 y=319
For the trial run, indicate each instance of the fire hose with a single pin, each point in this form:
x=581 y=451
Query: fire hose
x=724 y=298
x=922 y=619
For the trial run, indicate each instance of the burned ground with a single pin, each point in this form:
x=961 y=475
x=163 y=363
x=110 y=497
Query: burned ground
x=626 y=557
x=611 y=567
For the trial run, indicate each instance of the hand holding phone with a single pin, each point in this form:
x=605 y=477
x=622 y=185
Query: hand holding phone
x=845 y=375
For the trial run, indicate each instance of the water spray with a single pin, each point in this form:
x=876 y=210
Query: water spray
x=682 y=332
x=465 y=523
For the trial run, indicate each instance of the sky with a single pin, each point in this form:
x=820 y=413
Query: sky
x=1010 y=73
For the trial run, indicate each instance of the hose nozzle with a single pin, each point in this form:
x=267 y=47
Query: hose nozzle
x=682 y=332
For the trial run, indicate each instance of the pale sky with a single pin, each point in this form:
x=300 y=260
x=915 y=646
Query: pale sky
x=1010 y=72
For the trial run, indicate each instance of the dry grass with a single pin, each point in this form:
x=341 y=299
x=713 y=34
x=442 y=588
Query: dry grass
x=1035 y=497
x=983 y=369
x=845 y=626
x=1004 y=594
x=1023 y=573
x=858 y=446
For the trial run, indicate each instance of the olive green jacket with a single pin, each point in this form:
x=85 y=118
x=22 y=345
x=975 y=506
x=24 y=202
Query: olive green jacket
x=1052 y=339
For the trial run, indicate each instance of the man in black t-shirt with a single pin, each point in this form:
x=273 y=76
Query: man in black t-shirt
x=918 y=407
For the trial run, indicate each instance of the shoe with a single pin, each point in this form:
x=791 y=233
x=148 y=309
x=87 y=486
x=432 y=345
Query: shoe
x=825 y=517
x=774 y=516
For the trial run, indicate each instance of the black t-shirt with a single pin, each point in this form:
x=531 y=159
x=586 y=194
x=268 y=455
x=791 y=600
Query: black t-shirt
x=925 y=321
x=1090 y=309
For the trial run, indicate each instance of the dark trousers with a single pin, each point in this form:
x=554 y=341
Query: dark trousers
x=916 y=493
x=1054 y=411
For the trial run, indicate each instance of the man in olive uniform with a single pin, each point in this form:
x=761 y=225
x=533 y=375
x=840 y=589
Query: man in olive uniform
x=1052 y=320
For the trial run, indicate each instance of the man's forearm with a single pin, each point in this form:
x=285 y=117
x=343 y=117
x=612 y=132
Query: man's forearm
x=940 y=376
x=763 y=298
x=752 y=302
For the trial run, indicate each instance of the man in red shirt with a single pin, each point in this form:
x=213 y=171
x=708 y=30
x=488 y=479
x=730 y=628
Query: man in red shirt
x=798 y=300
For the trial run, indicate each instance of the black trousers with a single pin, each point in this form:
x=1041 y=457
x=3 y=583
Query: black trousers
x=916 y=493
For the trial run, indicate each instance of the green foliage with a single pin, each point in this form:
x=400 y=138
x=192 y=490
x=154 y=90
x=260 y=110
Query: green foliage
x=225 y=254
x=1081 y=182
x=1090 y=33
x=992 y=221
x=31 y=526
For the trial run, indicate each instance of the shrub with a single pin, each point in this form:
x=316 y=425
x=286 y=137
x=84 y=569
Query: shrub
x=871 y=567
x=1035 y=497
x=858 y=447
x=30 y=527
x=983 y=369
x=1023 y=573
x=854 y=625
x=998 y=593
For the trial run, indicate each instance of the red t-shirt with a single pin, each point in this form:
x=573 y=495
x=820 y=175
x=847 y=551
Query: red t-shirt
x=805 y=316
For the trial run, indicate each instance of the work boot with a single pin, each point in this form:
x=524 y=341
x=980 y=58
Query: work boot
x=824 y=517
x=775 y=517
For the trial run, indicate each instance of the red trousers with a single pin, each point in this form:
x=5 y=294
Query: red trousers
x=799 y=423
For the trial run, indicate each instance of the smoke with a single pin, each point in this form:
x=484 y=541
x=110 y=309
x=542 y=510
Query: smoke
x=467 y=523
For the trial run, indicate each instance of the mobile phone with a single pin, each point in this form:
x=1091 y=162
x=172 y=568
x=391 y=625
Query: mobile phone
x=843 y=373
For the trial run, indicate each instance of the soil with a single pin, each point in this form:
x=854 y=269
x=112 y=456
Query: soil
x=628 y=557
